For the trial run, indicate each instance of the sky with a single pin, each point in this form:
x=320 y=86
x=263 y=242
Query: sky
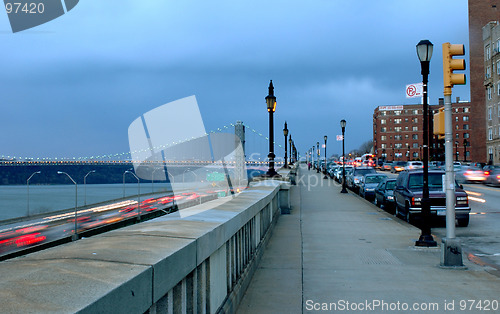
x=71 y=87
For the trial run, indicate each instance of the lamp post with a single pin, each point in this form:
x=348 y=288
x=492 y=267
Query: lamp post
x=342 y=125
x=124 y=180
x=28 y=187
x=319 y=157
x=424 y=52
x=290 y=145
x=75 y=234
x=325 y=177
x=85 y=187
x=465 y=150
x=138 y=194
x=285 y=133
x=456 y=150
x=271 y=108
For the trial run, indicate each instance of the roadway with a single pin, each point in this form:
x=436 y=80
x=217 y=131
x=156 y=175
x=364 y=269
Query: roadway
x=482 y=237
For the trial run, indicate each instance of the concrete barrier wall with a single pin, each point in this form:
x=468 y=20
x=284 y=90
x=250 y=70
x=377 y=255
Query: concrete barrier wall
x=197 y=260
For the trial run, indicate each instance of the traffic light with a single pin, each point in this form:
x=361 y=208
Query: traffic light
x=450 y=65
x=439 y=123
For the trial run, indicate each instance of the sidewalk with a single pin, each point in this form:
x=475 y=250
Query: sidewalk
x=337 y=251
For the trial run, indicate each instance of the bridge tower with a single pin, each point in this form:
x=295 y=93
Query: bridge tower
x=239 y=131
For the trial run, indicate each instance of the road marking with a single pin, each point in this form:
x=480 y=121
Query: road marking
x=474 y=193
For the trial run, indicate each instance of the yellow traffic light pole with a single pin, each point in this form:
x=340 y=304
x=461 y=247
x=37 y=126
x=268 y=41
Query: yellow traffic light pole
x=451 y=249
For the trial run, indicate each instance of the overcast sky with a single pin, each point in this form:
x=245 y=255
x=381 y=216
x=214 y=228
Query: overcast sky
x=71 y=87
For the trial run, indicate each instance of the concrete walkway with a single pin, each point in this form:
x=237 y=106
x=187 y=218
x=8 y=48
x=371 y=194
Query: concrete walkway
x=337 y=252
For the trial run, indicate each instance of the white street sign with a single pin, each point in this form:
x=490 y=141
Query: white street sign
x=414 y=90
x=339 y=138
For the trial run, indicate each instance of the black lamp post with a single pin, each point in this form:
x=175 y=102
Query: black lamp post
x=271 y=108
x=319 y=155
x=290 y=145
x=456 y=150
x=325 y=177
x=342 y=125
x=285 y=133
x=424 y=52
x=465 y=150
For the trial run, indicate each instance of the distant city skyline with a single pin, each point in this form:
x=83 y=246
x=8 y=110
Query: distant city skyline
x=71 y=87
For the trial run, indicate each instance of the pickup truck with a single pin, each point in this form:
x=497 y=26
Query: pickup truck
x=408 y=197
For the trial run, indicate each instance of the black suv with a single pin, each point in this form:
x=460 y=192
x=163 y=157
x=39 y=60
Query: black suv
x=408 y=197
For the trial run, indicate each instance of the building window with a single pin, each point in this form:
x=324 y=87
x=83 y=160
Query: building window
x=490 y=134
x=398 y=145
x=415 y=128
x=406 y=128
x=383 y=129
x=488 y=92
x=457 y=136
x=465 y=118
x=383 y=121
x=415 y=111
x=498 y=67
x=466 y=109
x=406 y=135
x=384 y=113
x=466 y=126
x=498 y=88
x=397 y=129
x=466 y=135
x=383 y=138
x=397 y=121
x=415 y=120
x=456 y=127
x=487 y=54
x=456 y=110
x=406 y=119
x=488 y=73
x=415 y=155
x=384 y=145
x=456 y=119
x=397 y=112
x=398 y=137
x=414 y=136
x=415 y=145
x=489 y=113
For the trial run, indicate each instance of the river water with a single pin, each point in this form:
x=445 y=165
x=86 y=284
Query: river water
x=49 y=198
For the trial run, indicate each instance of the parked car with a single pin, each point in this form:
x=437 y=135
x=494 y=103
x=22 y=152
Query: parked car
x=470 y=175
x=354 y=180
x=384 y=195
x=369 y=183
x=493 y=176
x=398 y=166
x=386 y=166
x=408 y=197
x=331 y=170
x=338 y=173
x=413 y=165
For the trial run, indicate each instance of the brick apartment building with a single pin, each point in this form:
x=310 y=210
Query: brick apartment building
x=398 y=132
x=491 y=41
x=481 y=12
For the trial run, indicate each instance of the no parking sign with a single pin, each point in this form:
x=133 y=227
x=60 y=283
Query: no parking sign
x=414 y=90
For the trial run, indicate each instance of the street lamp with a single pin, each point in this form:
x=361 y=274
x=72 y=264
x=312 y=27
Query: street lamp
x=325 y=177
x=424 y=52
x=456 y=150
x=85 y=187
x=124 y=180
x=28 y=187
x=342 y=125
x=75 y=234
x=138 y=194
x=271 y=108
x=285 y=133
x=465 y=150
x=319 y=157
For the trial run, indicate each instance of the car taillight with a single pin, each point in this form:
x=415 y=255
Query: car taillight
x=498 y=177
x=415 y=201
x=462 y=200
x=487 y=173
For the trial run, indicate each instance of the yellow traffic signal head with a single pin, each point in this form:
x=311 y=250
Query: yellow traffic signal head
x=450 y=65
